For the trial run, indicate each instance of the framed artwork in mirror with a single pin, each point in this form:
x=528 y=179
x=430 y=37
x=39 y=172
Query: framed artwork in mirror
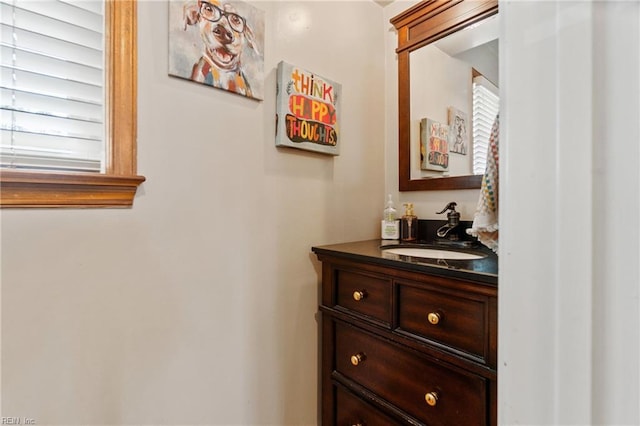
x=459 y=135
x=434 y=145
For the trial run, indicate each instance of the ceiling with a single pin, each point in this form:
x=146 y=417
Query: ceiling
x=471 y=37
x=384 y=3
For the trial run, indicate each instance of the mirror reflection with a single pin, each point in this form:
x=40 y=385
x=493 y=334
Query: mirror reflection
x=453 y=102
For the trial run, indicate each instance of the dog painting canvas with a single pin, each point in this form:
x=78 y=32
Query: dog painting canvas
x=219 y=43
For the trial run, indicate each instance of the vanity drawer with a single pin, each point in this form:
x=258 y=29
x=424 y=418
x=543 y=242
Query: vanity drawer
x=351 y=411
x=423 y=388
x=455 y=321
x=362 y=294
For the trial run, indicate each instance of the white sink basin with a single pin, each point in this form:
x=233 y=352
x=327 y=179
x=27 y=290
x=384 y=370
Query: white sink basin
x=433 y=253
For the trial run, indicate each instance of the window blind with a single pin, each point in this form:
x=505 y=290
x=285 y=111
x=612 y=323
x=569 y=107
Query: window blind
x=52 y=85
x=486 y=104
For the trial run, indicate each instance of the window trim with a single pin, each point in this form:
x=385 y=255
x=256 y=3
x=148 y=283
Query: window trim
x=117 y=186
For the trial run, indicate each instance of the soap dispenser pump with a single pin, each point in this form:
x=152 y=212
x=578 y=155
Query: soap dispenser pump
x=409 y=224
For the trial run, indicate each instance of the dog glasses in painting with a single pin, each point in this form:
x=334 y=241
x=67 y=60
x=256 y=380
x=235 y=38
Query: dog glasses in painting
x=213 y=13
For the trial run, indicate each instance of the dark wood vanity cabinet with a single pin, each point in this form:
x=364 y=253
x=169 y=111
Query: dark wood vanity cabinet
x=405 y=347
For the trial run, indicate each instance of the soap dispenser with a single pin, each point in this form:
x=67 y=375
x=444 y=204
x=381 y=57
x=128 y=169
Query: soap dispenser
x=390 y=225
x=409 y=224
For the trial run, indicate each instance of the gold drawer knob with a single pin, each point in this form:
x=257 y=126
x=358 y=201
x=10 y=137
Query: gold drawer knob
x=431 y=398
x=434 y=318
x=358 y=295
x=357 y=358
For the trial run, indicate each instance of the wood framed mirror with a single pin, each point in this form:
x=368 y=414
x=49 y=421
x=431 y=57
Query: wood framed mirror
x=418 y=26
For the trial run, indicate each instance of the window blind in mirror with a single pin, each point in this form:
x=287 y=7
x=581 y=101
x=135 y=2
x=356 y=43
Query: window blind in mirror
x=52 y=85
x=486 y=104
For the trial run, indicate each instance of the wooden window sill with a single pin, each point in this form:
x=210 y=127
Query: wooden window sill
x=27 y=189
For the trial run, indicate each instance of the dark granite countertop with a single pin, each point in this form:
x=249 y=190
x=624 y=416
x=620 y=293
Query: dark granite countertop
x=483 y=270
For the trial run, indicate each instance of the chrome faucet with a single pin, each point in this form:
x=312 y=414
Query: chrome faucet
x=453 y=220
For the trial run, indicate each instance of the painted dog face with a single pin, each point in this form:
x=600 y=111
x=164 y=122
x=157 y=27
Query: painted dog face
x=223 y=31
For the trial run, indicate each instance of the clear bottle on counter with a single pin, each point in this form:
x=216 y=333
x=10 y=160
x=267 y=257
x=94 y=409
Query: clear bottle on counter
x=390 y=226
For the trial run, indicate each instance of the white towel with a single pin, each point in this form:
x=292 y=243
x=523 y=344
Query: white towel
x=485 y=221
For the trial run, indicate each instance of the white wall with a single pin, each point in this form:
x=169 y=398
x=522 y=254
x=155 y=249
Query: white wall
x=569 y=305
x=197 y=306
